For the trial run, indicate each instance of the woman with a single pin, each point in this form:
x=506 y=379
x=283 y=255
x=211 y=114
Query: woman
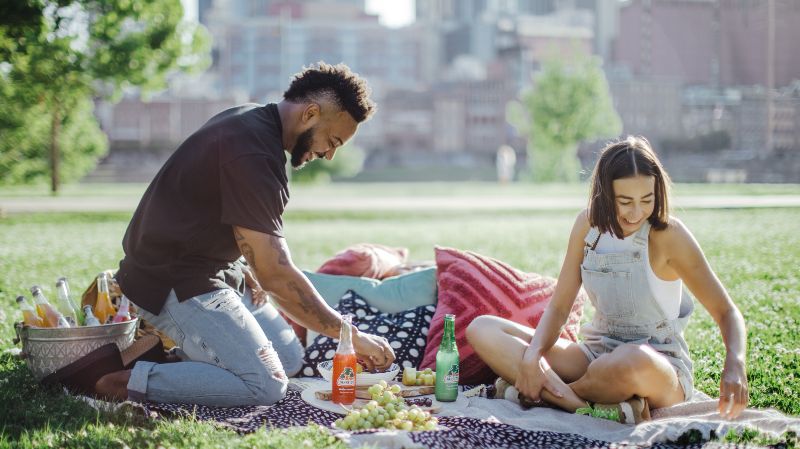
x=632 y=258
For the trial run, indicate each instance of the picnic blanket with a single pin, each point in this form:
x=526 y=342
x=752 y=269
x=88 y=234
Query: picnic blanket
x=491 y=423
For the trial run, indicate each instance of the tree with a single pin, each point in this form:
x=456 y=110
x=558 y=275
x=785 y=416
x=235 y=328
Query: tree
x=25 y=142
x=569 y=103
x=57 y=55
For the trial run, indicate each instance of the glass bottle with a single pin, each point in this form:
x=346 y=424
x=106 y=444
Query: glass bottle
x=103 y=308
x=123 y=314
x=49 y=314
x=447 y=361
x=89 y=318
x=65 y=303
x=29 y=315
x=343 y=378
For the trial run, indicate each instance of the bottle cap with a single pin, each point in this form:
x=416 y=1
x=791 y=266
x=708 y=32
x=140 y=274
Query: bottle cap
x=20 y=298
x=35 y=289
x=60 y=282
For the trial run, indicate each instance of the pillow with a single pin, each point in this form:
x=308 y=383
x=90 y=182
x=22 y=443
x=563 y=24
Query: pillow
x=406 y=332
x=471 y=285
x=392 y=295
x=366 y=260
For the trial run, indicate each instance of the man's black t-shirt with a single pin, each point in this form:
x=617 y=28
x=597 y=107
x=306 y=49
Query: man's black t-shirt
x=230 y=172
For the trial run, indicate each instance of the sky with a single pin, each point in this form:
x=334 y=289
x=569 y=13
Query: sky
x=393 y=13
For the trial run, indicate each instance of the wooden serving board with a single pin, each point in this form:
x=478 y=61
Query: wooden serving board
x=314 y=397
x=362 y=393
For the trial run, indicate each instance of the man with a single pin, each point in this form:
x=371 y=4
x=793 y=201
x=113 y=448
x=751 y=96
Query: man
x=220 y=196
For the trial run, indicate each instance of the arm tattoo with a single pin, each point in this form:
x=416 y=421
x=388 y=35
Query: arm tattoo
x=249 y=255
x=276 y=245
x=312 y=306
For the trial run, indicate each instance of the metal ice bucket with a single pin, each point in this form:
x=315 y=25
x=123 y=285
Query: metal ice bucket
x=48 y=349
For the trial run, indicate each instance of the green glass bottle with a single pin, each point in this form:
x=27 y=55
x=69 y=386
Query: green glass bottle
x=447 y=363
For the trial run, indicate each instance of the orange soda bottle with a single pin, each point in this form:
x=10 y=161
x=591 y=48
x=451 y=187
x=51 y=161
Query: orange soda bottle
x=49 y=314
x=103 y=308
x=343 y=380
x=29 y=315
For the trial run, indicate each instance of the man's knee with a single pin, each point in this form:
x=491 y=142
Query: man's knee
x=293 y=360
x=273 y=379
x=270 y=391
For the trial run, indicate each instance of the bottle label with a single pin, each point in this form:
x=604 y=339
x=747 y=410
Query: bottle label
x=452 y=375
x=347 y=378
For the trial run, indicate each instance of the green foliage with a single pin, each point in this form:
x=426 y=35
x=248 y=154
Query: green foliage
x=348 y=162
x=569 y=103
x=25 y=146
x=57 y=55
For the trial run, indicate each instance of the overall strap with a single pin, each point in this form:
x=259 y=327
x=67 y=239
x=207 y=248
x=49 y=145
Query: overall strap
x=642 y=235
x=592 y=237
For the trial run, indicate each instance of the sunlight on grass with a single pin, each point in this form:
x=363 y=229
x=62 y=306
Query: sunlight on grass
x=754 y=252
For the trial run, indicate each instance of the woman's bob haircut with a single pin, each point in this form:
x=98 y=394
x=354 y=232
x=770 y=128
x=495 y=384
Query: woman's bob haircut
x=626 y=158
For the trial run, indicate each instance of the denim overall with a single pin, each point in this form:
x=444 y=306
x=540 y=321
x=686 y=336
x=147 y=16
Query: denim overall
x=626 y=310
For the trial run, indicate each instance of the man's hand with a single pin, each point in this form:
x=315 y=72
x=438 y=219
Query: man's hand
x=374 y=351
x=259 y=296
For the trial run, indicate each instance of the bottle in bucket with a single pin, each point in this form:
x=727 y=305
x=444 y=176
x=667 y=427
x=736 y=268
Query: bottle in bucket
x=343 y=378
x=29 y=315
x=65 y=303
x=446 y=389
x=123 y=314
x=89 y=318
x=49 y=314
x=103 y=308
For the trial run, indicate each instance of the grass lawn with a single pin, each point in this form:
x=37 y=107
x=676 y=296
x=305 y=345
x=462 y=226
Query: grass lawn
x=754 y=252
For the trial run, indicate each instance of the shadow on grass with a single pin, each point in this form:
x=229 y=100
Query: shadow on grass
x=28 y=407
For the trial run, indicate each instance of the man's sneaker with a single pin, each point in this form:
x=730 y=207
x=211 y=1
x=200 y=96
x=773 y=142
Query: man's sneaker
x=632 y=411
x=504 y=390
x=81 y=375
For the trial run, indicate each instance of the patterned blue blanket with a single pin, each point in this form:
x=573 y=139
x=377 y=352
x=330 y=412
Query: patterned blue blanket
x=460 y=432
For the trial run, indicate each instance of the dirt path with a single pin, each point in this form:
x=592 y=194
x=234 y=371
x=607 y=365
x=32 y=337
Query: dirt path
x=15 y=205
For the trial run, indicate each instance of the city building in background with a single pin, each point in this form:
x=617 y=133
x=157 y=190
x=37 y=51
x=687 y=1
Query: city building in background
x=714 y=84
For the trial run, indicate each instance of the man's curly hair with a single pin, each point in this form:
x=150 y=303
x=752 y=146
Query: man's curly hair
x=337 y=82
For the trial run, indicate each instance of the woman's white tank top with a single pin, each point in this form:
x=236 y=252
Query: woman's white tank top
x=667 y=293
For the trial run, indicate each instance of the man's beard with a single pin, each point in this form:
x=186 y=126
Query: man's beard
x=302 y=146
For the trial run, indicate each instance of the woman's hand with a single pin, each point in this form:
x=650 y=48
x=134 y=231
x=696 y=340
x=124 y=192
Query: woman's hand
x=733 y=394
x=374 y=351
x=532 y=378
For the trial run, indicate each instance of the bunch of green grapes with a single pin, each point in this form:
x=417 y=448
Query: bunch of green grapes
x=387 y=410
